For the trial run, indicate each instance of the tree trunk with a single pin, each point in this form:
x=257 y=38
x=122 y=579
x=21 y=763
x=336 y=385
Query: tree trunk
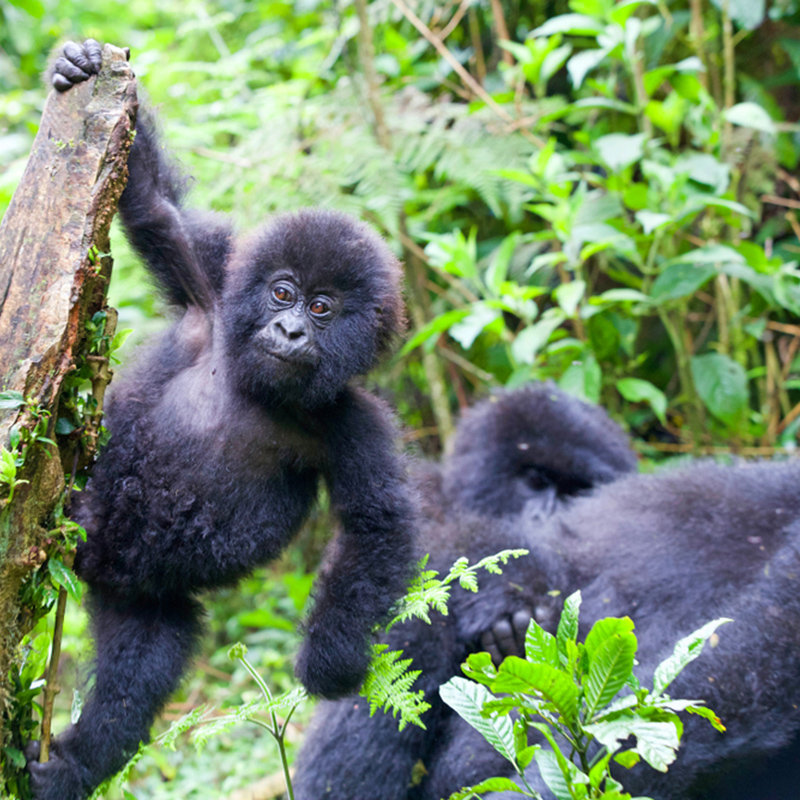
x=54 y=272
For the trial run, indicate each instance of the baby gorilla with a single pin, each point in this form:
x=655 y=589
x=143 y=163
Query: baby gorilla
x=218 y=442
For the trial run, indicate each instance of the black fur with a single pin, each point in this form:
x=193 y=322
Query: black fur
x=518 y=458
x=218 y=441
x=672 y=551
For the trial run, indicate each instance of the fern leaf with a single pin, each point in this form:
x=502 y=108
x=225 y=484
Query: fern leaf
x=388 y=686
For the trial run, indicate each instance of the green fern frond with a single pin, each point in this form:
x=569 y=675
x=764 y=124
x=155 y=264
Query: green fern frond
x=245 y=713
x=389 y=680
x=388 y=686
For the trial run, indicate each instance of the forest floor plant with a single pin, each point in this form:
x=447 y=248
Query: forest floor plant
x=583 y=699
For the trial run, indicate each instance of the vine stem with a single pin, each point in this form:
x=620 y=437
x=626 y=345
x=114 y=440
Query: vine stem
x=52 y=687
x=277 y=732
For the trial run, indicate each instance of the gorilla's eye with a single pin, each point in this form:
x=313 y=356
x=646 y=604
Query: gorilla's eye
x=282 y=294
x=320 y=307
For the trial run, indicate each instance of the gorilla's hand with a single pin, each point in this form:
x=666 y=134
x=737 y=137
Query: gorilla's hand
x=77 y=64
x=507 y=636
x=55 y=780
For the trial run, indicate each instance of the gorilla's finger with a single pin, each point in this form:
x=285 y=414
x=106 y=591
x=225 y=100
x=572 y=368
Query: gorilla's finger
x=94 y=51
x=520 y=622
x=69 y=71
x=60 y=83
x=33 y=750
x=504 y=635
x=489 y=645
x=79 y=57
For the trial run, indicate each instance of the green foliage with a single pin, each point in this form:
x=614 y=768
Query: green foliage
x=388 y=687
x=389 y=680
x=590 y=702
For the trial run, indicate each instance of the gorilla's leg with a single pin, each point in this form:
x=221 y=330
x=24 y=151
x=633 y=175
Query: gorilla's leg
x=143 y=648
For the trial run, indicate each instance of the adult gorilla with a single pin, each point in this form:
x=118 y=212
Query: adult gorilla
x=671 y=551
x=518 y=458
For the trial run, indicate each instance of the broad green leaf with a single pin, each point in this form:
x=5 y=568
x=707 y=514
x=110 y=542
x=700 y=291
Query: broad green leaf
x=435 y=326
x=479 y=667
x=553 y=62
x=520 y=52
x=721 y=383
x=63 y=576
x=651 y=220
x=583 y=378
x=580 y=65
x=710 y=254
x=705 y=169
x=466 y=699
x=33 y=7
x=568 y=23
x=620 y=296
x=568 y=295
x=15 y=756
x=11 y=399
x=540 y=646
x=120 y=338
x=656 y=742
x=628 y=758
x=533 y=338
x=637 y=391
x=605 y=102
x=751 y=115
x=517 y=675
x=620 y=150
x=680 y=280
x=686 y=651
x=622 y=11
x=609 y=668
x=498 y=269
x=707 y=713
x=524 y=757
x=568 y=623
x=466 y=330
x=552 y=775
x=603 y=630
x=490 y=785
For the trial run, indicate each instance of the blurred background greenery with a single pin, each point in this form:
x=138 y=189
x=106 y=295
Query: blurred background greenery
x=598 y=193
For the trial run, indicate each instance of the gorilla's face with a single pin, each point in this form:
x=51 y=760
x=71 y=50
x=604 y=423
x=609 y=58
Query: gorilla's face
x=311 y=301
x=294 y=321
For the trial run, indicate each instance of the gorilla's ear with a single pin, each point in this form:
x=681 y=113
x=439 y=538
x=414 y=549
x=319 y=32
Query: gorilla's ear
x=536 y=445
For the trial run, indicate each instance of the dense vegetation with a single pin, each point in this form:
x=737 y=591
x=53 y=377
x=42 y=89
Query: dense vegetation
x=595 y=192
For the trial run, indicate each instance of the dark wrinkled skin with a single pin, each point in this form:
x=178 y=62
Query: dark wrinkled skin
x=219 y=439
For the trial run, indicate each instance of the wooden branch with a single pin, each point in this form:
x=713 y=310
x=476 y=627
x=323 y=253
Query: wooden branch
x=54 y=272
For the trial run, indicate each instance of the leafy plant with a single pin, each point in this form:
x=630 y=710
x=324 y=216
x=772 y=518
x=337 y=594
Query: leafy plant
x=583 y=700
x=389 y=680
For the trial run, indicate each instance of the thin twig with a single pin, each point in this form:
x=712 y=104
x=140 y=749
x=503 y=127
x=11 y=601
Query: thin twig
x=457 y=17
x=502 y=29
x=366 y=50
x=774 y=200
x=440 y=48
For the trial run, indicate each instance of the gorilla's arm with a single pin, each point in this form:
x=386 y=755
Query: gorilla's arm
x=185 y=250
x=368 y=568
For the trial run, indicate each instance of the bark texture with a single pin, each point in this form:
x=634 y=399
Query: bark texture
x=53 y=277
